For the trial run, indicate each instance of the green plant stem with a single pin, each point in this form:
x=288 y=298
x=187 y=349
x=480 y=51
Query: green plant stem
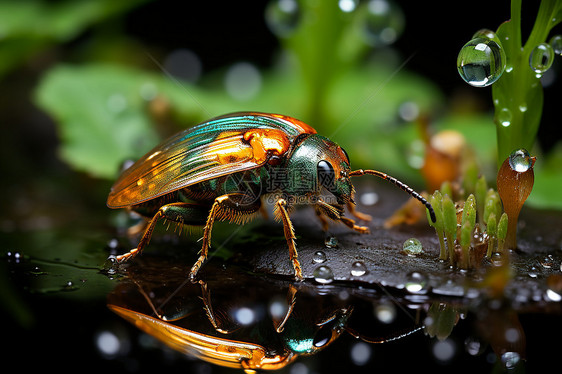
x=518 y=94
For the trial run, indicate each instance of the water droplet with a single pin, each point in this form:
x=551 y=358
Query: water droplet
x=541 y=58
x=532 y=272
x=416 y=283
x=242 y=81
x=69 y=286
x=323 y=274
x=554 y=290
x=331 y=242
x=520 y=160
x=547 y=262
x=510 y=359
x=282 y=16
x=556 y=44
x=14 y=256
x=481 y=62
x=319 y=257
x=486 y=34
x=358 y=269
x=523 y=108
x=412 y=247
x=473 y=346
x=383 y=23
x=553 y=295
x=504 y=117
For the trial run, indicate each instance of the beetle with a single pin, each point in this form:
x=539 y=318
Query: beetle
x=223 y=168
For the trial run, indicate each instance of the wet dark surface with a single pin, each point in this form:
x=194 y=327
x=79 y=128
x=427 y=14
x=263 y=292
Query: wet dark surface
x=57 y=292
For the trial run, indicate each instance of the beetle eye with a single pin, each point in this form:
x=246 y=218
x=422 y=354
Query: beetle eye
x=326 y=175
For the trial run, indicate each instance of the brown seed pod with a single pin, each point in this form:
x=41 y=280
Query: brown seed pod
x=515 y=182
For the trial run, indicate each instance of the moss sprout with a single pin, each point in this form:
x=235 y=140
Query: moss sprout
x=480 y=191
x=502 y=231
x=436 y=201
x=491 y=230
x=450 y=225
x=470 y=229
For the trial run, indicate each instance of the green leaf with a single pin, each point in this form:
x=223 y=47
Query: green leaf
x=100 y=114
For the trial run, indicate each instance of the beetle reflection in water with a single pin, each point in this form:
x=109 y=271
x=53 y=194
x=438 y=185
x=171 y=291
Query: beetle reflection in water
x=222 y=169
x=245 y=323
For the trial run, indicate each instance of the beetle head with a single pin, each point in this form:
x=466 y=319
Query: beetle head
x=317 y=163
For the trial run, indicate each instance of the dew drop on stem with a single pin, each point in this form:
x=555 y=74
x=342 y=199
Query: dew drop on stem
x=481 y=62
x=541 y=58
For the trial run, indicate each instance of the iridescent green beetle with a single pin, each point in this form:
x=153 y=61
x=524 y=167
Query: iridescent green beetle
x=223 y=168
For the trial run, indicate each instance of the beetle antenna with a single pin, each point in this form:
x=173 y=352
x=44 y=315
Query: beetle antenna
x=397 y=183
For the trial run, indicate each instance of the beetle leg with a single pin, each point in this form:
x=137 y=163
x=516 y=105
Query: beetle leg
x=335 y=214
x=207 y=236
x=176 y=212
x=225 y=207
x=322 y=219
x=289 y=231
x=206 y=297
x=360 y=216
x=144 y=240
x=291 y=300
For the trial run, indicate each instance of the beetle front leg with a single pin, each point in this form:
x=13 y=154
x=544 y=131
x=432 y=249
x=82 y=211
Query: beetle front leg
x=335 y=214
x=289 y=231
x=360 y=216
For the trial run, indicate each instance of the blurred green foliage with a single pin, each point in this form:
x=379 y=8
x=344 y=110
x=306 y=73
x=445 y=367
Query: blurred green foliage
x=27 y=27
x=328 y=82
x=114 y=101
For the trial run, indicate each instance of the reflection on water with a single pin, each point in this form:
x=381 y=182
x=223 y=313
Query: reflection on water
x=236 y=319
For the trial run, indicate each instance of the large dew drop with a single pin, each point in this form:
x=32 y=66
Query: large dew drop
x=481 y=62
x=541 y=58
x=520 y=160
